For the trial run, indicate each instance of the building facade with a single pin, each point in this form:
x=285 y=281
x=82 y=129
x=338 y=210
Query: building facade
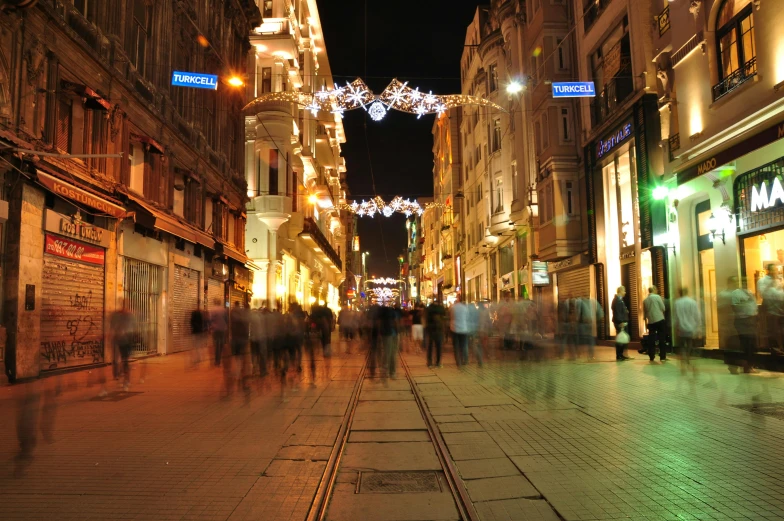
x=294 y=171
x=622 y=157
x=119 y=188
x=720 y=70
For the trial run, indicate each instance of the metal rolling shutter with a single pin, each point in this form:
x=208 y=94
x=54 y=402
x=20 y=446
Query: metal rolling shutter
x=72 y=313
x=185 y=299
x=237 y=296
x=574 y=283
x=215 y=294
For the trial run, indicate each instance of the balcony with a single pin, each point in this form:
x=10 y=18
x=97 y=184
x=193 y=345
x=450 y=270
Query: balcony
x=606 y=102
x=735 y=80
x=592 y=12
x=663 y=21
x=313 y=235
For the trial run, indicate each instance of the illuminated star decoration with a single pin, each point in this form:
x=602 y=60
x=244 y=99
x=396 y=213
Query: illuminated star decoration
x=383 y=281
x=354 y=95
x=378 y=205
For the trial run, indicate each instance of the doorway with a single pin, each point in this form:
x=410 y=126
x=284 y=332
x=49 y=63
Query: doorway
x=707 y=294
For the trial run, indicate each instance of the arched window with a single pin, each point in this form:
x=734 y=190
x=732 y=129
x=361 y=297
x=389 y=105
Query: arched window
x=736 y=46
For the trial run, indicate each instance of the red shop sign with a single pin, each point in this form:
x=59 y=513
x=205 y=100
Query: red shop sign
x=74 y=250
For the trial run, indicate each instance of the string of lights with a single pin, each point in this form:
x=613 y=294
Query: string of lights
x=377 y=205
x=355 y=95
x=383 y=281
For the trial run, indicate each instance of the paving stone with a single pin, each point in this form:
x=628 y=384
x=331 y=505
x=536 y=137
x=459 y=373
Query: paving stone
x=507 y=487
x=379 y=421
x=461 y=427
x=518 y=510
x=387 y=406
x=433 y=506
x=386 y=395
x=391 y=456
x=486 y=468
x=387 y=436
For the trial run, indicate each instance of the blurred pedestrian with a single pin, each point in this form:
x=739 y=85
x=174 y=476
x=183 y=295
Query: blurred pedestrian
x=589 y=312
x=769 y=288
x=620 y=319
x=417 y=329
x=744 y=305
x=219 y=325
x=458 y=322
x=257 y=344
x=653 y=310
x=688 y=325
x=473 y=330
x=435 y=316
x=122 y=325
x=388 y=329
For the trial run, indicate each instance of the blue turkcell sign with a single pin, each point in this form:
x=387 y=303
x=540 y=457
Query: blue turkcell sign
x=573 y=89
x=195 y=80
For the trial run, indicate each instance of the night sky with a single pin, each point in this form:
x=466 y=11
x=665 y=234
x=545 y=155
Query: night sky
x=420 y=43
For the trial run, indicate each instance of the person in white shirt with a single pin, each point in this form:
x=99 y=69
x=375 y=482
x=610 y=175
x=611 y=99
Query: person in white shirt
x=653 y=309
x=744 y=305
x=688 y=324
x=459 y=322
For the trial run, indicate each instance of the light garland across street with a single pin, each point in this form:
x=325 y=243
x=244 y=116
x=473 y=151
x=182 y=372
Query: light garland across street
x=355 y=95
x=378 y=205
x=382 y=281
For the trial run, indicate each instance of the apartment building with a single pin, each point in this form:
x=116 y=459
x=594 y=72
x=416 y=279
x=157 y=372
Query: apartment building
x=293 y=166
x=622 y=158
x=118 y=187
x=720 y=71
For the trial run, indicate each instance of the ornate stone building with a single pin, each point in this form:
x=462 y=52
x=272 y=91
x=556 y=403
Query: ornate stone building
x=118 y=187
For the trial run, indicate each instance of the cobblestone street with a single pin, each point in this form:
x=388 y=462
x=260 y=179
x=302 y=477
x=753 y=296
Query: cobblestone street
x=588 y=440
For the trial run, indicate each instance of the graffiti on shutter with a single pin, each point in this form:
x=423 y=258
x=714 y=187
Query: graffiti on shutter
x=185 y=299
x=72 y=313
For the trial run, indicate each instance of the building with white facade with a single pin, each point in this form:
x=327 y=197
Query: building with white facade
x=293 y=164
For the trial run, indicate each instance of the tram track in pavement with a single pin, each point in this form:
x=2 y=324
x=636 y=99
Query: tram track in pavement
x=322 y=500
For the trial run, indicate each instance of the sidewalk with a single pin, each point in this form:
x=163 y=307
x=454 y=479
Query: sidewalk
x=173 y=447
x=607 y=440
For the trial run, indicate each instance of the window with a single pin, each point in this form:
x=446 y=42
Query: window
x=478 y=154
x=545 y=131
x=192 y=205
x=267 y=11
x=735 y=39
x=515 y=188
x=493 y=78
x=136 y=159
x=496 y=137
x=569 y=202
x=140 y=31
x=562 y=63
x=266 y=79
x=479 y=193
x=565 y=134
x=538 y=137
x=95 y=138
x=273 y=172
x=499 y=194
x=62 y=132
x=87 y=8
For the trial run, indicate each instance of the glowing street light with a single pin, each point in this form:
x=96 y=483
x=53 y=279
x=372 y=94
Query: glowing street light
x=313 y=199
x=235 y=81
x=514 y=87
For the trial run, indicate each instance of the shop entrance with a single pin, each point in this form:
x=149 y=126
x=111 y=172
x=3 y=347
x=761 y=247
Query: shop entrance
x=707 y=294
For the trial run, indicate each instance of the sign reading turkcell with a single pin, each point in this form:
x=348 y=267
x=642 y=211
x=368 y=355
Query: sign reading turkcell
x=195 y=80
x=573 y=89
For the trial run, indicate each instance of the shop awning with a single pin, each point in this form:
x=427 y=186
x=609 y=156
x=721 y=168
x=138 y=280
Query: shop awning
x=170 y=224
x=231 y=253
x=78 y=193
x=93 y=100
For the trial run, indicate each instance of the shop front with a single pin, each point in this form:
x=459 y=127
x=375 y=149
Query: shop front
x=726 y=227
x=73 y=292
x=621 y=222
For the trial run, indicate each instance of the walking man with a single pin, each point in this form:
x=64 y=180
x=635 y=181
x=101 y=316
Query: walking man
x=458 y=322
x=653 y=309
x=620 y=318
